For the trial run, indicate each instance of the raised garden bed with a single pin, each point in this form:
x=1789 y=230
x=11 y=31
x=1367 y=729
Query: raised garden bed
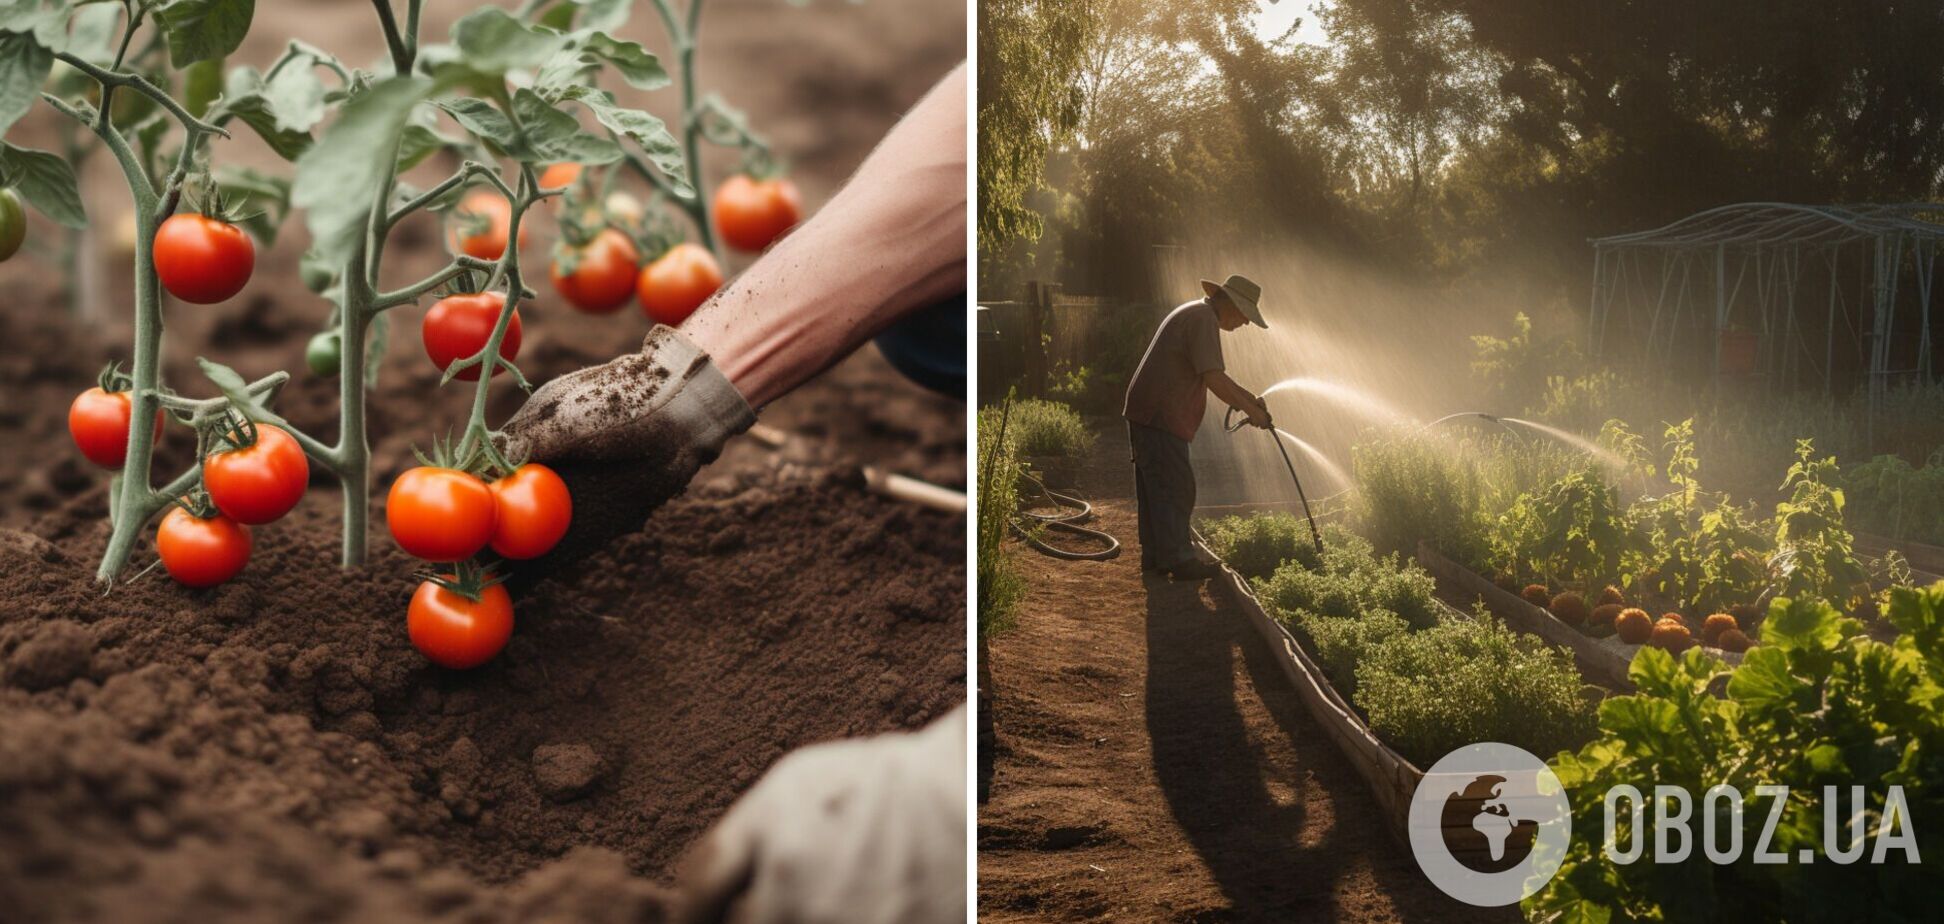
x=1605 y=661
x=1391 y=777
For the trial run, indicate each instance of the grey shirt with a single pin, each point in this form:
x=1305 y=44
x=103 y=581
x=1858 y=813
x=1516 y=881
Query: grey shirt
x=1167 y=391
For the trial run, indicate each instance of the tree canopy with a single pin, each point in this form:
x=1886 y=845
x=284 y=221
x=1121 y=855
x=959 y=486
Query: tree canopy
x=1448 y=138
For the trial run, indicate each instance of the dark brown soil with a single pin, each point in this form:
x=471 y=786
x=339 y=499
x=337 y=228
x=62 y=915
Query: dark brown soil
x=274 y=749
x=1154 y=764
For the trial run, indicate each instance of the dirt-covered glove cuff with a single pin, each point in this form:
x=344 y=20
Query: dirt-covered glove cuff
x=666 y=403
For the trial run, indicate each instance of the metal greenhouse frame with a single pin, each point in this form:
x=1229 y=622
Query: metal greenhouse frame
x=1746 y=275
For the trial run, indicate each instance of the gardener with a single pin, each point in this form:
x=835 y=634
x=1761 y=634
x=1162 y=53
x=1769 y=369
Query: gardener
x=871 y=830
x=1165 y=403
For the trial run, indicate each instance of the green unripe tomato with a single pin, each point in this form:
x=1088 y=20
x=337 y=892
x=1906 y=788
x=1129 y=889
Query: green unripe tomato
x=324 y=354
x=13 y=224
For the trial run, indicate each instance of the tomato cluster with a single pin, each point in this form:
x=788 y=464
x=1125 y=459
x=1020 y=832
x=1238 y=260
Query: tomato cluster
x=255 y=481
x=597 y=276
x=446 y=516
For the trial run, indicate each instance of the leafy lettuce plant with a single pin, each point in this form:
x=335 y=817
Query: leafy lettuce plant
x=1818 y=704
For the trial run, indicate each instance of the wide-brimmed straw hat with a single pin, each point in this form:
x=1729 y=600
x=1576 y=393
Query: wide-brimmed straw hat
x=1244 y=293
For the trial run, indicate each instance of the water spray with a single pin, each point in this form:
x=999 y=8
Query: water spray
x=1230 y=424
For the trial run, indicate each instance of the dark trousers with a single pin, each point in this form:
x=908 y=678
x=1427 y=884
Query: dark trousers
x=1164 y=496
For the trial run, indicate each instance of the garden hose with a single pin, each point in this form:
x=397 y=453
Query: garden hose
x=1080 y=511
x=1230 y=424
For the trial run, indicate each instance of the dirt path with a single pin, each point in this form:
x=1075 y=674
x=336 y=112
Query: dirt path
x=1154 y=764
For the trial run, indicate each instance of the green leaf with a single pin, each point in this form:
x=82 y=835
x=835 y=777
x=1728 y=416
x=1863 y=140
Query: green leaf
x=45 y=181
x=551 y=135
x=603 y=15
x=255 y=111
x=481 y=118
x=202 y=83
x=232 y=386
x=296 y=97
x=647 y=132
x=492 y=41
x=338 y=179
x=199 y=29
x=1763 y=680
x=91 y=32
x=1806 y=624
x=24 y=65
x=641 y=70
x=559 y=17
x=417 y=143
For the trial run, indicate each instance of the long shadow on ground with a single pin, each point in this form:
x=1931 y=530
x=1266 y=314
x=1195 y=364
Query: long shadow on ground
x=1213 y=775
x=1210 y=771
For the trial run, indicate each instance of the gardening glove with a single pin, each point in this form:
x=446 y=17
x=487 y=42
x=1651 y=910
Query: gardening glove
x=626 y=436
x=865 y=831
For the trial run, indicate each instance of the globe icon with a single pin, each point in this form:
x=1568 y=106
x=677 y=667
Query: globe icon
x=1482 y=831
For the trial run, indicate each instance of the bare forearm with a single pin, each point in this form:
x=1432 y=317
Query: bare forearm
x=891 y=241
x=1232 y=394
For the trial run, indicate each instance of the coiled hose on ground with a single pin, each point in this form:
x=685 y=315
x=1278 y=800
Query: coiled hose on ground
x=1073 y=512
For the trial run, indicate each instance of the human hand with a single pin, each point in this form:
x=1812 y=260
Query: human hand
x=1259 y=413
x=865 y=831
x=626 y=436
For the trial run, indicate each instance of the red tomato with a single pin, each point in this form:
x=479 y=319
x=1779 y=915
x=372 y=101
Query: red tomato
x=489 y=243
x=440 y=514
x=260 y=482
x=603 y=276
x=559 y=176
x=672 y=287
x=532 y=510
x=456 y=632
x=201 y=260
x=458 y=326
x=753 y=213
x=199 y=552
x=98 y=421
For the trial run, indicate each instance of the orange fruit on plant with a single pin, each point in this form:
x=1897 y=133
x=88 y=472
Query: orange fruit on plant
x=480 y=223
x=598 y=277
x=675 y=284
x=559 y=176
x=752 y=213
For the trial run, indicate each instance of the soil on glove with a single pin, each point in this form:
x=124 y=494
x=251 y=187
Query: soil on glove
x=275 y=749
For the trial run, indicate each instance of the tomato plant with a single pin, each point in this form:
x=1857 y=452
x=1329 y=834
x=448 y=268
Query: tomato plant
x=458 y=326
x=678 y=282
x=201 y=550
x=260 y=478
x=460 y=620
x=202 y=260
x=502 y=97
x=440 y=514
x=753 y=213
x=532 y=510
